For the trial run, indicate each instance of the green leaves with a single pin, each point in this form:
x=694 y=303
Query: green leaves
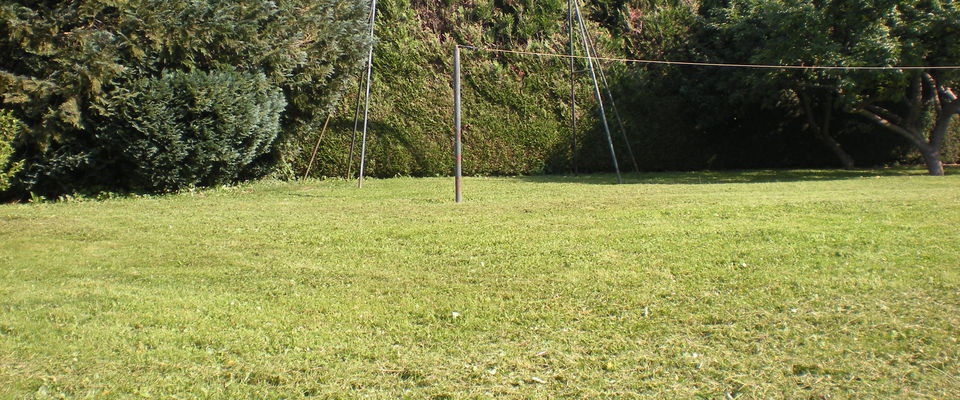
x=10 y=128
x=191 y=129
x=63 y=58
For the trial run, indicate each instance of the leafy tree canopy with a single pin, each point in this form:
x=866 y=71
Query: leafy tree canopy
x=848 y=33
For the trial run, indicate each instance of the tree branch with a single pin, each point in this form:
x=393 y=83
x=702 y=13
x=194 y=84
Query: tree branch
x=808 y=112
x=934 y=90
x=952 y=107
x=948 y=93
x=915 y=101
x=827 y=112
x=913 y=137
x=945 y=117
x=886 y=114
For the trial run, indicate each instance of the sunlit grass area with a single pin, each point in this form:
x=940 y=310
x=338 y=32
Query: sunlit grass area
x=761 y=284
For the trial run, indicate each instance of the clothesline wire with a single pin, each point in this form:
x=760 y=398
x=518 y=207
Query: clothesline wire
x=720 y=65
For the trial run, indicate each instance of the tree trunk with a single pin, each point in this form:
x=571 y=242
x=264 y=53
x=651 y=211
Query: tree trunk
x=845 y=159
x=938 y=136
x=942 y=100
x=822 y=131
x=930 y=152
x=931 y=157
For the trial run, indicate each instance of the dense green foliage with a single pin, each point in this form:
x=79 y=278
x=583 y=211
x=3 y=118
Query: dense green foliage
x=855 y=33
x=516 y=108
x=67 y=58
x=790 y=117
x=190 y=129
x=706 y=285
x=64 y=61
x=10 y=129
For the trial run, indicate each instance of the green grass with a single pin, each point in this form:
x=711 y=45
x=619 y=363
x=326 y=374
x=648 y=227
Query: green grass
x=784 y=284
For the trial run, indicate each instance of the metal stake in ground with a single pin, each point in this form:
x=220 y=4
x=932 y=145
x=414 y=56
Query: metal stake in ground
x=616 y=112
x=573 y=91
x=457 y=147
x=317 y=147
x=356 y=127
x=366 y=106
x=596 y=91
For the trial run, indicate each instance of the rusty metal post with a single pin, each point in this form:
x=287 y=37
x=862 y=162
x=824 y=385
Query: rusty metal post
x=457 y=145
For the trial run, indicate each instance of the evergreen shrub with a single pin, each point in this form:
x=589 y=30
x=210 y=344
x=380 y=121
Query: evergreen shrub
x=187 y=129
x=74 y=72
x=10 y=127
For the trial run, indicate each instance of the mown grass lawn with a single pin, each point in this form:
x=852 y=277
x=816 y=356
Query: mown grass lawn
x=789 y=284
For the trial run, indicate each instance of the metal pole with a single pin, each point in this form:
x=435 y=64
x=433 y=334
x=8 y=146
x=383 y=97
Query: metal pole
x=457 y=145
x=623 y=132
x=616 y=112
x=573 y=91
x=366 y=106
x=317 y=147
x=356 y=127
x=596 y=92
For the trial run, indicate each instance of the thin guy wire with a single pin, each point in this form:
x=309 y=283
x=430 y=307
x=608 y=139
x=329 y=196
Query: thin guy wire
x=613 y=106
x=596 y=89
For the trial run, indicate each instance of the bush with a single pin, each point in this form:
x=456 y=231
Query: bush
x=191 y=128
x=64 y=63
x=10 y=127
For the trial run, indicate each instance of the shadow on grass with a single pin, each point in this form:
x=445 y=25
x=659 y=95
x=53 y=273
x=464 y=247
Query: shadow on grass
x=717 y=177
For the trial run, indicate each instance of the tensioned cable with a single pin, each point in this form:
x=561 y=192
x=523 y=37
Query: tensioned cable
x=706 y=64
